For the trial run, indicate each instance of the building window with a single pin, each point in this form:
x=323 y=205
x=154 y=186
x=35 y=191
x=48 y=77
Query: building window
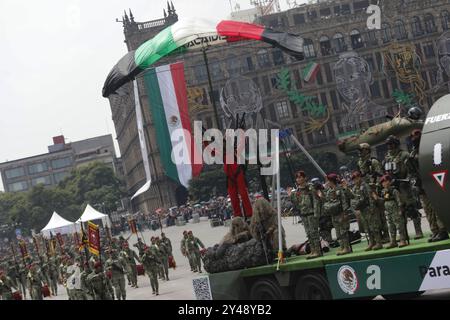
x=216 y=72
x=233 y=65
x=263 y=59
x=372 y=39
x=61 y=163
x=386 y=92
x=328 y=72
x=15 y=173
x=298 y=80
x=345 y=9
x=249 y=64
x=319 y=77
x=360 y=5
x=416 y=26
x=445 y=17
x=37 y=167
x=375 y=90
x=324 y=99
x=312 y=15
x=386 y=32
x=325 y=46
x=356 y=39
x=294 y=110
x=278 y=58
x=428 y=49
x=18 y=186
x=200 y=73
x=433 y=77
x=430 y=25
x=370 y=61
x=274 y=82
x=308 y=48
x=282 y=110
x=299 y=18
x=59 y=176
x=266 y=84
x=400 y=30
x=41 y=180
x=339 y=43
x=334 y=100
x=325 y=13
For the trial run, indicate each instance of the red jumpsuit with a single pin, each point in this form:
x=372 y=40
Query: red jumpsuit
x=236 y=186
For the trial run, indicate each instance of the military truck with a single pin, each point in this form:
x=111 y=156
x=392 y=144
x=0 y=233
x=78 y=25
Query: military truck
x=396 y=273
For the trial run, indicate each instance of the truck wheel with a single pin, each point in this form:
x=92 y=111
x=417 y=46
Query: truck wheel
x=312 y=287
x=268 y=289
x=403 y=296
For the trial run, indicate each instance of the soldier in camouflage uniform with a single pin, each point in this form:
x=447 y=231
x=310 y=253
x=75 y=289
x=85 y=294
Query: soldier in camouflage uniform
x=325 y=221
x=303 y=199
x=35 y=282
x=365 y=201
x=53 y=275
x=130 y=257
x=140 y=246
x=85 y=286
x=167 y=243
x=396 y=220
x=150 y=261
x=184 y=250
x=22 y=279
x=335 y=205
x=437 y=227
x=6 y=286
x=371 y=170
x=164 y=255
x=395 y=164
x=192 y=246
x=117 y=266
x=99 y=284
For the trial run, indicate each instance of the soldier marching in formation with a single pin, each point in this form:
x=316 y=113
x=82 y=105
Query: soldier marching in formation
x=151 y=262
x=116 y=267
x=193 y=250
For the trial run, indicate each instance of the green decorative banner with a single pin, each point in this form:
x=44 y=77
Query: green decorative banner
x=402 y=274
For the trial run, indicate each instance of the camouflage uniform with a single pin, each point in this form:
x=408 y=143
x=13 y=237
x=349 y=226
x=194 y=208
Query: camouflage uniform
x=117 y=266
x=150 y=261
x=35 y=283
x=6 y=286
x=53 y=275
x=396 y=165
x=85 y=286
x=362 y=201
x=22 y=279
x=184 y=251
x=164 y=256
x=167 y=243
x=336 y=205
x=192 y=245
x=371 y=169
x=396 y=220
x=303 y=200
x=100 y=286
x=130 y=257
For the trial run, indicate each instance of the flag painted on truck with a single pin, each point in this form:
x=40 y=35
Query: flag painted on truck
x=167 y=94
x=391 y=275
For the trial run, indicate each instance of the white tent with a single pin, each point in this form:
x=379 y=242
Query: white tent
x=90 y=214
x=58 y=224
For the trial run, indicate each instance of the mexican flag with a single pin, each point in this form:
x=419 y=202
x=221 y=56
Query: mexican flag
x=167 y=96
x=310 y=71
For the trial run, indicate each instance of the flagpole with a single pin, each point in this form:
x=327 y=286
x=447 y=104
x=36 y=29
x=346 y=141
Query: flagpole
x=280 y=240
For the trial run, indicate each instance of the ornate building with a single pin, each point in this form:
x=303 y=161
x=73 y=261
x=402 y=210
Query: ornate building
x=331 y=29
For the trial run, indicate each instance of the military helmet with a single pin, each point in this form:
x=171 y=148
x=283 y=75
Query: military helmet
x=415 y=113
x=393 y=140
x=364 y=146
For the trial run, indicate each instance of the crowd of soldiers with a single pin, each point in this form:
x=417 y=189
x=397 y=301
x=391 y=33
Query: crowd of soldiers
x=382 y=196
x=100 y=277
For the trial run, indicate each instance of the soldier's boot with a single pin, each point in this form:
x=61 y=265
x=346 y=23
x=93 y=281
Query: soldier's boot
x=418 y=228
x=371 y=242
x=378 y=241
x=393 y=244
x=441 y=236
x=402 y=243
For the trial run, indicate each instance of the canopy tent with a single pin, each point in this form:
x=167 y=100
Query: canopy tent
x=91 y=214
x=58 y=224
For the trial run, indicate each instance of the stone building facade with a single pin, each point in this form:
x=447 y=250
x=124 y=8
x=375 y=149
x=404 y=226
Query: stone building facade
x=329 y=28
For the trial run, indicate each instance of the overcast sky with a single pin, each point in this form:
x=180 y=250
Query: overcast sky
x=54 y=58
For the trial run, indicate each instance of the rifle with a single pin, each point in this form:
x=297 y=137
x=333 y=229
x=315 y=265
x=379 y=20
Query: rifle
x=262 y=234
